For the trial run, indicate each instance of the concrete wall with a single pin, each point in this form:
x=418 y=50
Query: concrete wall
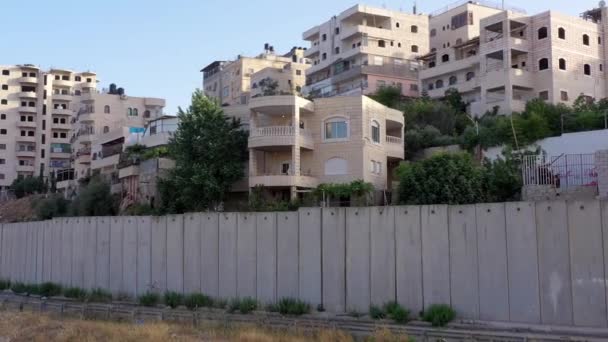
x=538 y=263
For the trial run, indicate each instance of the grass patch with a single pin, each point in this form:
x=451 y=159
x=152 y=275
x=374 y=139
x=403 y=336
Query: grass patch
x=194 y=301
x=5 y=284
x=99 y=295
x=243 y=305
x=19 y=287
x=292 y=306
x=439 y=315
x=376 y=312
x=75 y=293
x=149 y=299
x=49 y=289
x=173 y=299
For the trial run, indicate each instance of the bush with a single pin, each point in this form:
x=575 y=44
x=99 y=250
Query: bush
x=95 y=199
x=376 y=312
x=75 y=293
x=396 y=312
x=53 y=206
x=123 y=297
x=173 y=299
x=149 y=299
x=194 y=301
x=49 y=289
x=219 y=303
x=233 y=305
x=19 y=287
x=439 y=315
x=5 y=284
x=247 y=305
x=292 y=306
x=99 y=295
x=25 y=186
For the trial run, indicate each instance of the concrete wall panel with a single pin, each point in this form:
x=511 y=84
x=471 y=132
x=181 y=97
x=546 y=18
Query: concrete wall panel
x=39 y=251
x=56 y=250
x=210 y=254
x=310 y=255
x=90 y=252
x=227 y=255
x=158 y=256
x=116 y=241
x=382 y=268
x=358 y=288
x=266 y=259
x=408 y=252
x=3 y=252
x=587 y=263
x=554 y=263
x=192 y=253
x=78 y=253
x=102 y=269
x=246 y=255
x=522 y=252
x=46 y=256
x=129 y=256
x=493 y=270
x=463 y=261
x=175 y=253
x=144 y=250
x=26 y=244
x=333 y=259
x=435 y=254
x=287 y=260
x=67 y=247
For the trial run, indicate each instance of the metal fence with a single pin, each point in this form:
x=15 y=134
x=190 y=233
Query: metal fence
x=563 y=171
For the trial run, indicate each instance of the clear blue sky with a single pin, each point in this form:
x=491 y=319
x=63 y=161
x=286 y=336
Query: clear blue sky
x=157 y=47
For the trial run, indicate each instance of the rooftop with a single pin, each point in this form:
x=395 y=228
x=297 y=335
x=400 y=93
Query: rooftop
x=483 y=3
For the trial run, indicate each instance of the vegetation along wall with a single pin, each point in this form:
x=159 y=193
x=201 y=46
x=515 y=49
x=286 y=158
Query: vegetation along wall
x=520 y=262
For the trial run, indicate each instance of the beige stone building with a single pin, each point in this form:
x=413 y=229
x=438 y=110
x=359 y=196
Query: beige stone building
x=500 y=59
x=364 y=48
x=36 y=111
x=235 y=82
x=296 y=144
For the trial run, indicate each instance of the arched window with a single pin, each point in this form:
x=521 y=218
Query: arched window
x=439 y=84
x=587 y=69
x=433 y=32
x=458 y=41
x=542 y=33
x=375 y=132
x=561 y=33
x=381 y=43
x=562 y=64
x=106 y=109
x=336 y=166
x=130 y=111
x=585 y=39
x=453 y=80
x=543 y=64
x=431 y=86
x=445 y=58
x=135 y=112
x=106 y=129
x=336 y=128
x=397 y=24
x=414 y=29
x=470 y=75
x=147 y=114
x=414 y=48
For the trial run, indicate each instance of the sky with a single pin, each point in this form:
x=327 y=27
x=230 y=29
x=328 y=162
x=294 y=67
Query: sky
x=157 y=48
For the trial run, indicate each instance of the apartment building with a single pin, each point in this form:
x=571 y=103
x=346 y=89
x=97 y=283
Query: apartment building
x=235 y=82
x=36 y=109
x=296 y=144
x=363 y=49
x=499 y=59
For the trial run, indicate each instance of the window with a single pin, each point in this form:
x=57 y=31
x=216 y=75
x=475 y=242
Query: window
x=336 y=166
x=337 y=50
x=336 y=128
x=89 y=80
x=433 y=32
x=414 y=29
x=564 y=95
x=585 y=39
x=3 y=131
x=397 y=25
x=543 y=95
x=299 y=72
x=399 y=45
x=445 y=58
x=106 y=129
x=461 y=19
x=78 y=78
x=2 y=161
x=470 y=75
x=2 y=146
x=543 y=64
x=587 y=69
x=431 y=86
x=601 y=67
x=381 y=83
x=4 y=102
x=561 y=33
x=77 y=92
x=324 y=56
x=136 y=111
x=6 y=72
x=453 y=80
x=381 y=43
x=2 y=116
x=375 y=132
x=414 y=48
x=324 y=37
x=542 y=33
x=5 y=87
x=562 y=64
x=129 y=111
x=599 y=40
x=337 y=30
x=439 y=84
x=30 y=133
x=413 y=87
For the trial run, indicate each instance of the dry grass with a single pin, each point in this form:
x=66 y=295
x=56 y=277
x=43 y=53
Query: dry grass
x=16 y=326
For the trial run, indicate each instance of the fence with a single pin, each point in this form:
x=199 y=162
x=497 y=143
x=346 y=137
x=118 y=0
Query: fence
x=564 y=171
x=518 y=262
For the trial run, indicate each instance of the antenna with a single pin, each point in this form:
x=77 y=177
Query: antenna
x=415 y=7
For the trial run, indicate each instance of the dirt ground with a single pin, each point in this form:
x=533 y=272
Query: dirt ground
x=18 y=210
x=19 y=326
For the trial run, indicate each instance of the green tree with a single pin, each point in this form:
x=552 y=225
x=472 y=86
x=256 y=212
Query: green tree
x=502 y=179
x=209 y=151
x=24 y=186
x=269 y=87
x=95 y=199
x=389 y=96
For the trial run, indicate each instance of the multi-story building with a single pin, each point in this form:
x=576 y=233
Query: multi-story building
x=235 y=82
x=499 y=59
x=296 y=144
x=36 y=109
x=364 y=48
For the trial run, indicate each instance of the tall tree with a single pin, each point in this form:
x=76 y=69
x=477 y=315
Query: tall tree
x=209 y=151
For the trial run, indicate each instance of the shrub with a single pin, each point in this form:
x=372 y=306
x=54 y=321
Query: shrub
x=94 y=199
x=396 y=312
x=32 y=289
x=53 y=206
x=19 y=287
x=25 y=186
x=233 y=305
x=194 y=301
x=5 y=284
x=149 y=299
x=75 y=293
x=376 y=312
x=123 y=297
x=292 y=306
x=439 y=315
x=247 y=305
x=173 y=299
x=99 y=295
x=49 y=289
x=219 y=303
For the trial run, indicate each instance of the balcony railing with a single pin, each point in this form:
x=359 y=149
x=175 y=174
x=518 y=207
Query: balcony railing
x=394 y=140
x=271 y=131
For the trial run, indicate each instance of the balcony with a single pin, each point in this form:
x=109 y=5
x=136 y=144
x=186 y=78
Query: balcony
x=451 y=67
x=26 y=124
x=311 y=34
x=63 y=83
x=88 y=117
x=84 y=159
x=28 y=80
x=394 y=147
x=495 y=77
x=279 y=136
x=24 y=168
x=25 y=139
x=280 y=104
x=60 y=111
x=62 y=97
x=30 y=110
x=27 y=95
x=61 y=126
x=61 y=155
x=499 y=44
x=26 y=153
x=131 y=170
x=283 y=181
x=369 y=31
x=312 y=51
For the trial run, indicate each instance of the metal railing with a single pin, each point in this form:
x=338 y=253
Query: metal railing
x=563 y=171
x=271 y=131
x=393 y=140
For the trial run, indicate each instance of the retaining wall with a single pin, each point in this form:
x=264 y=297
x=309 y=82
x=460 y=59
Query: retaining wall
x=539 y=263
